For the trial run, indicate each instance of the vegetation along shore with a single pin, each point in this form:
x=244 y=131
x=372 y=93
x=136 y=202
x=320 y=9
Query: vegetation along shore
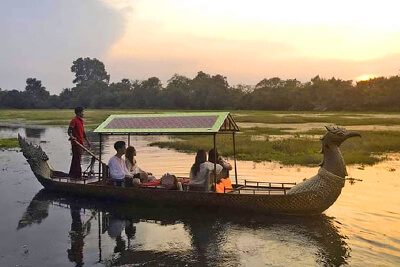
x=287 y=137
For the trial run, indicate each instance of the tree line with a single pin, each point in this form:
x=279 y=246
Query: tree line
x=205 y=91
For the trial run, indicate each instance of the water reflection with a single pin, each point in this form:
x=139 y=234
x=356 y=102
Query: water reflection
x=148 y=236
x=34 y=132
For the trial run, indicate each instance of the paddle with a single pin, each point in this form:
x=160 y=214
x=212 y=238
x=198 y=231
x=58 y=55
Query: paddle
x=105 y=166
x=87 y=150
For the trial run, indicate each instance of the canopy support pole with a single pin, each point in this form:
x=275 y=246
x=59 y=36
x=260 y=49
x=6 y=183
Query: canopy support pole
x=129 y=139
x=100 y=167
x=215 y=163
x=234 y=156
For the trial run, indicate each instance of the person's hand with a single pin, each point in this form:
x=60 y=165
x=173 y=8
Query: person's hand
x=72 y=138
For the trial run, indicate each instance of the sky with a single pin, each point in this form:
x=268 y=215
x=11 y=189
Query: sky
x=246 y=41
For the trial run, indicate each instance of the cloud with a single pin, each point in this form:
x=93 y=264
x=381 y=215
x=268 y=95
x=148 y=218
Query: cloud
x=241 y=61
x=41 y=38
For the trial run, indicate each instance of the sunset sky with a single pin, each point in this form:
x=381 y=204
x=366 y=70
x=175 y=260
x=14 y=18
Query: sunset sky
x=243 y=40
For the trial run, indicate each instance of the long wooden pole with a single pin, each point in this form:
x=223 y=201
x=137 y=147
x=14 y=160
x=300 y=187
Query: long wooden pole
x=87 y=150
x=234 y=156
x=215 y=163
x=100 y=157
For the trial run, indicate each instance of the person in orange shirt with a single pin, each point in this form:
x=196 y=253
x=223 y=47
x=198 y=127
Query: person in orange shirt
x=76 y=133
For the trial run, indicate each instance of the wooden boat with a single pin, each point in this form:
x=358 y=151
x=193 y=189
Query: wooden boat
x=313 y=196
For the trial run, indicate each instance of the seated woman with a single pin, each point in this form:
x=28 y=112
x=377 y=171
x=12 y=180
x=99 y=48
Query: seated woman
x=199 y=173
x=213 y=157
x=133 y=168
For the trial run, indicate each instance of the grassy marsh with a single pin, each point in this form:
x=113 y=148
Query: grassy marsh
x=295 y=148
x=8 y=143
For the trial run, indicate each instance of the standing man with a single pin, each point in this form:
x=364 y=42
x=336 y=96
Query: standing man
x=76 y=132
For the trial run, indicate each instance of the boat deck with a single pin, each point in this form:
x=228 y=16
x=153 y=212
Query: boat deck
x=249 y=187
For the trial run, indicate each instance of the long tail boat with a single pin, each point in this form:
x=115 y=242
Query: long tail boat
x=312 y=196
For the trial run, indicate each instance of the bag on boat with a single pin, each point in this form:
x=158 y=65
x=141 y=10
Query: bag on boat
x=170 y=181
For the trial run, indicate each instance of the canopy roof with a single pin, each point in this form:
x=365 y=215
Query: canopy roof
x=169 y=123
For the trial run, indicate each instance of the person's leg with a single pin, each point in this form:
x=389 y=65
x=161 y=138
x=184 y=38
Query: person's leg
x=132 y=182
x=75 y=170
x=136 y=182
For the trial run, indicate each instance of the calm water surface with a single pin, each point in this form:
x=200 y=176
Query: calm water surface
x=38 y=228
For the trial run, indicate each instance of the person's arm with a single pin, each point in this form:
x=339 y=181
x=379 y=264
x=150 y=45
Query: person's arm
x=225 y=164
x=127 y=173
x=71 y=130
x=87 y=139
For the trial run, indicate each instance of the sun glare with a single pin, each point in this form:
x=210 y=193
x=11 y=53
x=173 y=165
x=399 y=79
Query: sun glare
x=365 y=77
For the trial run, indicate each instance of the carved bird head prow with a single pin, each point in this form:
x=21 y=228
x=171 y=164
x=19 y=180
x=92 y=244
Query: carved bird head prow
x=332 y=139
x=337 y=135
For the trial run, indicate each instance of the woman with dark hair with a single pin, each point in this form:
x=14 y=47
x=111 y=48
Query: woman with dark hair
x=199 y=173
x=133 y=168
x=214 y=157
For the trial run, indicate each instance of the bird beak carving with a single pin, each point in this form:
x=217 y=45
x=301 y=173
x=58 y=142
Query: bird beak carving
x=350 y=134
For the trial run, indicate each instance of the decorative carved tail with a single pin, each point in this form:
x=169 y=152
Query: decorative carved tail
x=36 y=157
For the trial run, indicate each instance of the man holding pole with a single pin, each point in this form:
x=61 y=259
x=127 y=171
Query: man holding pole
x=76 y=133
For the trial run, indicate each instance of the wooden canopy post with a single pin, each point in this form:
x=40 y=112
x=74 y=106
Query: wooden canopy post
x=100 y=167
x=215 y=163
x=129 y=139
x=234 y=156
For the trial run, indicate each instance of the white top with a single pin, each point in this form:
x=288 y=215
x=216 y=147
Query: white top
x=201 y=177
x=133 y=168
x=117 y=168
x=115 y=227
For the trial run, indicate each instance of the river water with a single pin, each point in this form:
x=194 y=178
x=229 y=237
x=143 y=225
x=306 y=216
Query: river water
x=38 y=228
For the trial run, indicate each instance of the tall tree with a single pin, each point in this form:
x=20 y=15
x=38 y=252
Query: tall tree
x=88 y=69
x=35 y=88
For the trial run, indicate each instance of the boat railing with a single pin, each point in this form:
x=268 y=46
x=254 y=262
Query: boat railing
x=270 y=184
x=257 y=187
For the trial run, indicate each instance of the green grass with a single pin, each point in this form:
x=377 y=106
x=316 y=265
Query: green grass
x=96 y=116
x=8 y=143
x=93 y=117
x=295 y=150
x=287 y=151
x=332 y=118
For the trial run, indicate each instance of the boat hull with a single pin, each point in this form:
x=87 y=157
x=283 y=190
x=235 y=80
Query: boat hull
x=270 y=204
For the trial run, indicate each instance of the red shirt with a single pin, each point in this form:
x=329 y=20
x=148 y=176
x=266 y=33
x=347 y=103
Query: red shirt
x=78 y=129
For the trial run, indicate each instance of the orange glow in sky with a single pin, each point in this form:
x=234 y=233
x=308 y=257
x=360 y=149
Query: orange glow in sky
x=250 y=40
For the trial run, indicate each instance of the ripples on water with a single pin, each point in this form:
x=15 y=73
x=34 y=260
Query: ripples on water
x=39 y=228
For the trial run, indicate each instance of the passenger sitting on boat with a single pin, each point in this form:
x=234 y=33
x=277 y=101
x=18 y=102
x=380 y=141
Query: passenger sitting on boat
x=199 y=172
x=117 y=167
x=213 y=157
x=131 y=165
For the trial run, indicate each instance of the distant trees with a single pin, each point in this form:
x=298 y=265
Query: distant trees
x=204 y=92
x=88 y=69
x=34 y=96
x=37 y=93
